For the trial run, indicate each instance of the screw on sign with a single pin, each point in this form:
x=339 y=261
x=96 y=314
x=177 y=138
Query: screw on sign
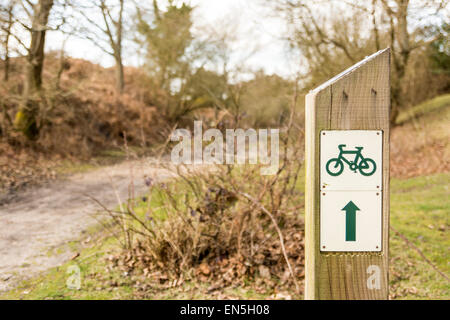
x=347 y=183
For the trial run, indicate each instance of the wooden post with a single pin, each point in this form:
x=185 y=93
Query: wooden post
x=356 y=99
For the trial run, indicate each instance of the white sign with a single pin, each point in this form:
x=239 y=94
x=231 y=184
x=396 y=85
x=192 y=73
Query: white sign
x=351 y=169
x=350 y=221
x=351 y=160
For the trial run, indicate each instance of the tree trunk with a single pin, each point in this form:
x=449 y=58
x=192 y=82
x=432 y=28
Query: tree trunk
x=115 y=39
x=395 y=104
x=375 y=26
x=25 y=120
x=6 y=71
x=120 y=78
x=8 y=35
x=403 y=35
x=119 y=62
x=402 y=58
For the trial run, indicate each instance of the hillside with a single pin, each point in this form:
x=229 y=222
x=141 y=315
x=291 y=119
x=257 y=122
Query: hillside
x=420 y=145
x=82 y=117
x=81 y=110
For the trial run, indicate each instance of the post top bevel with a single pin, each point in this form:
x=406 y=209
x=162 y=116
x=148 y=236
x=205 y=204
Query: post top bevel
x=347 y=71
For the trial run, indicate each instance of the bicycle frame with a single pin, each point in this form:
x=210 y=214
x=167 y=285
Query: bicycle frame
x=343 y=152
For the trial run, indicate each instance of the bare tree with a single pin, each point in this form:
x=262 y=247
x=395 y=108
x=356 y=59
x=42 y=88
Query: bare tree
x=105 y=28
x=7 y=22
x=401 y=40
x=357 y=28
x=33 y=19
x=35 y=57
x=328 y=43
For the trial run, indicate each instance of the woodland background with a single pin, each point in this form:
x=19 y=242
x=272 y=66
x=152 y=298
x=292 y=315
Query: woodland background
x=56 y=109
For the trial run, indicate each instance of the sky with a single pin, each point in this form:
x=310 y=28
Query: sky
x=253 y=34
x=255 y=28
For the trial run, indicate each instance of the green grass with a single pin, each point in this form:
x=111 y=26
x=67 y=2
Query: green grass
x=99 y=283
x=419 y=210
x=426 y=107
x=102 y=158
x=67 y=167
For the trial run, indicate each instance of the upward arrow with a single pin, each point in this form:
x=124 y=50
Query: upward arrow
x=350 y=221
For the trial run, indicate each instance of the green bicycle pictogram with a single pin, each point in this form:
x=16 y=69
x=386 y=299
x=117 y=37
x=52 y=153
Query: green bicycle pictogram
x=366 y=166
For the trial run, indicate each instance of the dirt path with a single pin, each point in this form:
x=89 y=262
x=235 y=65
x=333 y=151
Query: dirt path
x=50 y=216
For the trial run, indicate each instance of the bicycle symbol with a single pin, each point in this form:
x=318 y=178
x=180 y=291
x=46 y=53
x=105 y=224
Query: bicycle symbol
x=366 y=166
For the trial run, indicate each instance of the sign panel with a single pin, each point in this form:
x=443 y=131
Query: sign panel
x=350 y=221
x=351 y=160
x=351 y=190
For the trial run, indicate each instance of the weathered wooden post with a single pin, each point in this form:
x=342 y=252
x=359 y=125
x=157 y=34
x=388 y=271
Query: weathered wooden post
x=347 y=183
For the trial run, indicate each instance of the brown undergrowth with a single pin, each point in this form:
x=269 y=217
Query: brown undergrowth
x=213 y=233
x=22 y=168
x=80 y=111
x=421 y=146
x=225 y=226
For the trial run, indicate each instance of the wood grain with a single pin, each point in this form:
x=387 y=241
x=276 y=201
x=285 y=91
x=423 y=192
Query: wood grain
x=357 y=99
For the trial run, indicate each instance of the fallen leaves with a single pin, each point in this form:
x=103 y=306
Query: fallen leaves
x=22 y=167
x=424 y=154
x=204 y=269
x=264 y=272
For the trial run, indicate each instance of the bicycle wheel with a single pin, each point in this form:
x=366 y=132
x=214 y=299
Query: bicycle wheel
x=367 y=167
x=334 y=167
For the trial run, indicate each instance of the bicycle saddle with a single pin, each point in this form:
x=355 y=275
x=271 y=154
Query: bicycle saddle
x=359 y=148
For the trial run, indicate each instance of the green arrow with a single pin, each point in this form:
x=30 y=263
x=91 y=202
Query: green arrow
x=350 y=221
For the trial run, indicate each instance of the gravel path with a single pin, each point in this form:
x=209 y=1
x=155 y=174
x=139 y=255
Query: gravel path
x=47 y=217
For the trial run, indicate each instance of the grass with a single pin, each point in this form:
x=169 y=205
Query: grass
x=103 y=158
x=428 y=106
x=108 y=157
x=419 y=210
x=67 y=167
x=100 y=283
